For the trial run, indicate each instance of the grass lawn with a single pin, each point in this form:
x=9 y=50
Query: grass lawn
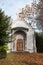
x=22 y=59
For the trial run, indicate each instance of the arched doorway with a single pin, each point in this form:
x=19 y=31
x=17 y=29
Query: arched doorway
x=20 y=40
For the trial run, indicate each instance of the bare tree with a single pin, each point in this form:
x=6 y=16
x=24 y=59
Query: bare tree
x=25 y=12
x=40 y=15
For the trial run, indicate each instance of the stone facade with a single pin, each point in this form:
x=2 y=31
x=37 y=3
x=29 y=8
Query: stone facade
x=23 y=38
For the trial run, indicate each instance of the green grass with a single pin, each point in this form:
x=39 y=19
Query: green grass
x=22 y=59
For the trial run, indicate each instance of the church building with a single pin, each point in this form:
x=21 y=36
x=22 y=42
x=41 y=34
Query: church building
x=23 y=38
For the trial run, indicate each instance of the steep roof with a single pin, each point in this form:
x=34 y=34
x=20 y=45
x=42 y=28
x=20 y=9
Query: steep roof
x=22 y=24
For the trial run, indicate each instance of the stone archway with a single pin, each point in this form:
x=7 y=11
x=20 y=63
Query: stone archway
x=20 y=38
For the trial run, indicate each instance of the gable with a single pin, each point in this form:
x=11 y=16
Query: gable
x=21 y=24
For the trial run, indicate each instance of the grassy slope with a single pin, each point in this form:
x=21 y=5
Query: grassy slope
x=22 y=59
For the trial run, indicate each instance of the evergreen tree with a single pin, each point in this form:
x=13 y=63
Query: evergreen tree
x=5 y=26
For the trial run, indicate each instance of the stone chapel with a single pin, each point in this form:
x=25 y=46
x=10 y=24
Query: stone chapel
x=23 y=38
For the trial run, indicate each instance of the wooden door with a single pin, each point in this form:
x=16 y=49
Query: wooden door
x=19 y=45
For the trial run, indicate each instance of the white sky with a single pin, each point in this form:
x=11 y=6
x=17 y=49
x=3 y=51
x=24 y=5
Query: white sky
x=11 y=7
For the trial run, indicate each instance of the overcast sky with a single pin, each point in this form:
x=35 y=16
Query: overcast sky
x=11 y=7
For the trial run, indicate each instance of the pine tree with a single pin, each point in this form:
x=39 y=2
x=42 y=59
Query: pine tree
x=4 y=28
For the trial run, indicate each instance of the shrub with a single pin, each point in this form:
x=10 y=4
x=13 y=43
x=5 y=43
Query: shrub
x=3 y=51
